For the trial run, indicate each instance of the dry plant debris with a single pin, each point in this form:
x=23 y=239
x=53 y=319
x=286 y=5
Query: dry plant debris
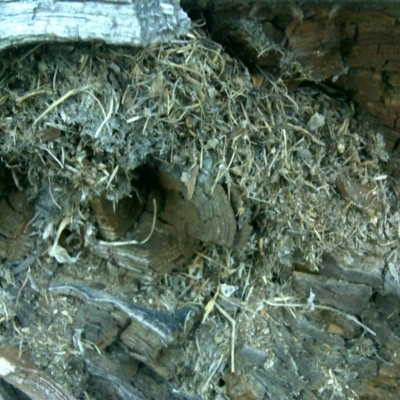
x=83 y=126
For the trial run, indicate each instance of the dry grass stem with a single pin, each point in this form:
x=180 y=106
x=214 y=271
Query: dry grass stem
x=69 y=94
x=321 y=307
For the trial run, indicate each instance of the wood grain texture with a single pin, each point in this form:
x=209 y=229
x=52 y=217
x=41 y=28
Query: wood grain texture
x=190 y=214
x=131 y=22
x=15 y=214
x=348 y=297
x=114 y=220
x=151 y=336
x=206 y=215
x=22 y=374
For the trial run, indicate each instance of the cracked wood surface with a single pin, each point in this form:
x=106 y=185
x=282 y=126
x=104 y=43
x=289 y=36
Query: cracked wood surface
x=129 y=333
x=130 y=22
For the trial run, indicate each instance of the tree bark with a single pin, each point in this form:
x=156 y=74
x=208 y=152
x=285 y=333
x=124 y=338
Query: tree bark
x=120 y=22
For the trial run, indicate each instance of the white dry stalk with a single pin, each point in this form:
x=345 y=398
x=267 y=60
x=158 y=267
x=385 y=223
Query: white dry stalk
x=208 y=308
x=310 y=300
x=53 y=156
x=214 y=369
x=72 y=92
x=51 y=195
x=210 y=305
x=114 y=173
x=319 y=307
x=57 y=251
x=394 y=272
x=106 y=119
x=233 y=324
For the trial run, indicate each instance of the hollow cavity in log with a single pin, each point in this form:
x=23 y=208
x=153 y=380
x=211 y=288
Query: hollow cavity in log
x=188 y=214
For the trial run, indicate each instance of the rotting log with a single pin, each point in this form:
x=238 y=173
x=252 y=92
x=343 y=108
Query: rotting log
x=131 y=22
x=114 y=220
x=348 y=297
x=202 y=209
x=181 y=211
x=354 y=268
x=351 y=46
x=349 y=43
x=253 y=380
x=129 y=333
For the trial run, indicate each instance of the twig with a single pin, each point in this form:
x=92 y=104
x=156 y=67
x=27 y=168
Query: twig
x=20 y=99
x=211 y=260
x=106 y=119
x=71 y=93
x=112 y=176
x=305 y=132
x=51 y=195
x=299 y=305
x=22 y=288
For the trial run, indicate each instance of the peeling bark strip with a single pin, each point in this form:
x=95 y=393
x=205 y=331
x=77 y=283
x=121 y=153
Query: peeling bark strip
x=162 y=324
x=152 y=337
x=132 y=22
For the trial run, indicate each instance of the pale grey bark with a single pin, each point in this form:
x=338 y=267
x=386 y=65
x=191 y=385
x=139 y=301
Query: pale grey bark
x=127 y=22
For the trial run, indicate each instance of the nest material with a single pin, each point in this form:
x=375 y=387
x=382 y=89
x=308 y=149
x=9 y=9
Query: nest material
x=91 y=117
x=78 y=123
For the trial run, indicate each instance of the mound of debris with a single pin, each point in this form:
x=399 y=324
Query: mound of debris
x=174 y=227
